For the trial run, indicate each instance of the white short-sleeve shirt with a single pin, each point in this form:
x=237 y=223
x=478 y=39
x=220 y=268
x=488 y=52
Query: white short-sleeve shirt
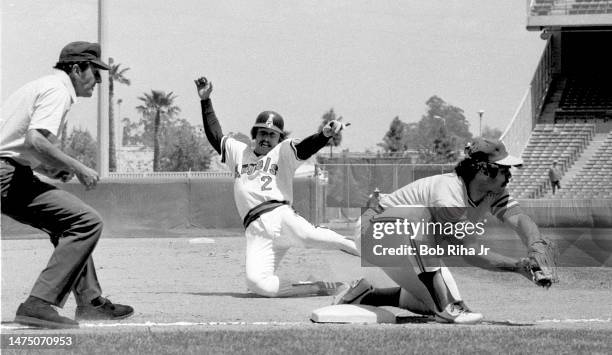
x=39 y=104
x=446 y=190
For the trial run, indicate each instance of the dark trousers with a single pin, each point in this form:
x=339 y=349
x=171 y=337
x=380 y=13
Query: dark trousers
x=73 y=227
x=555 y=185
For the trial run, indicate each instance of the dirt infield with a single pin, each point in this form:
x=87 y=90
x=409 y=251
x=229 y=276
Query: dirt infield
x=174 y=284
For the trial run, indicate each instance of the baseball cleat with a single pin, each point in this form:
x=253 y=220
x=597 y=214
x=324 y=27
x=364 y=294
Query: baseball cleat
x=354 y=293
x=327 y=288
x=458 y=313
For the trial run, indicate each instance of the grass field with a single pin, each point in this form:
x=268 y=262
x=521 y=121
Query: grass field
x=348 y=339
x=191 y=298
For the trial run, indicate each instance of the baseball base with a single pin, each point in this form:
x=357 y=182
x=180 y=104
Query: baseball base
x=353 y=313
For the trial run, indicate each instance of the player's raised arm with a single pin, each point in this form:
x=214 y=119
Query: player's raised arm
x=212 y=128
x=312 y=144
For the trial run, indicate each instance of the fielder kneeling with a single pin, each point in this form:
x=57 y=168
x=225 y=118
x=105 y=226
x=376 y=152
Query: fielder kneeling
x=474 y=190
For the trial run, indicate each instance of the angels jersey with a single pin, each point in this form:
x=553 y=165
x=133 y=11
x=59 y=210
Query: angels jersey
x=260 y=179
x=446 y=190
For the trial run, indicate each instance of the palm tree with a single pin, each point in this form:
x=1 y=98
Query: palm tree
x=156 y=104
x=114 y=74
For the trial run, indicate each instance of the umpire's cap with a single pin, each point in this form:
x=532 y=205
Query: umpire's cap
x=492 y=151
x=81 y=51
x=270 y=120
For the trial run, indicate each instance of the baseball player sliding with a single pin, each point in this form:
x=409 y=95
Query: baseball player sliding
x=263 y=192
x=475 y=190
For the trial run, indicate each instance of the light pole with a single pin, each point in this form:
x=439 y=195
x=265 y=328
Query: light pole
x=443 y=119
x=118 y=124
x=480 y=113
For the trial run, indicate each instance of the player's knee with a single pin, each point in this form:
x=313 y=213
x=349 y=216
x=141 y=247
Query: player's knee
x=91 y=221
x=267 y=286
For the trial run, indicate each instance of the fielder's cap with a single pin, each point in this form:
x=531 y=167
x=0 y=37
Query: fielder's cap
x=492 y=151
x=81 y=51
x=270 y=120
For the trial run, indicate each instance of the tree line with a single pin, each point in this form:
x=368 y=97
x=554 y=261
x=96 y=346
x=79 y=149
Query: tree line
x=438 y=137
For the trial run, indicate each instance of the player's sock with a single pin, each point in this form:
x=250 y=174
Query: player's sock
x=383 y=297
x=449 y=280
x=438 y=289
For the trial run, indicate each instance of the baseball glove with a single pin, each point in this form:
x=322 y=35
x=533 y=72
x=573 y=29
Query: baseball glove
x=540 y=265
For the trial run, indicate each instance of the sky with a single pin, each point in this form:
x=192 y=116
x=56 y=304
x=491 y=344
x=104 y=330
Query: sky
x=369 y=60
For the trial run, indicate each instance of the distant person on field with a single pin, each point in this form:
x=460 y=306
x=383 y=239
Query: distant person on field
x=554 y=174
x=30 y=126
x=373 y=198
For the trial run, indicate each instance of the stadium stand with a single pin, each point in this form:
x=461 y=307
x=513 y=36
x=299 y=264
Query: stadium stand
x=580 y=93
x=585 y=99
x=562 y=143
x=570 y=7
x=542 y=7
x=567 y=116
x=581 y=7
x=593 y=180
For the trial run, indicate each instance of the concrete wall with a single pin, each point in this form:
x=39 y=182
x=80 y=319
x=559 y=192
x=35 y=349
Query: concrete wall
x=154 y=205
x=158 y=206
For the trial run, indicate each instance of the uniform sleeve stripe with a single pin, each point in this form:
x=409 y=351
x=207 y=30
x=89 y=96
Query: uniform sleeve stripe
x=502 y=201
x=512 y=203
x=292 y=144
x=223 y=150
x=501 y=210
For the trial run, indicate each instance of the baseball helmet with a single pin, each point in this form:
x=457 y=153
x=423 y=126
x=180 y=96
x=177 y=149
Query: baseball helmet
x=270 y=120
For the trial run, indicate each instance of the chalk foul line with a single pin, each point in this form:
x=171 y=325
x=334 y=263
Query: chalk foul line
x=14 y=326
x=591 y=320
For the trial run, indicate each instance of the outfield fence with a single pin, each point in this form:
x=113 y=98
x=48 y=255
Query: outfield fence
x=162 y=203
x=342 y=189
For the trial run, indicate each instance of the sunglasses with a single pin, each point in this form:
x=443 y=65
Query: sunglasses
x=491 y=170
x=96 y=73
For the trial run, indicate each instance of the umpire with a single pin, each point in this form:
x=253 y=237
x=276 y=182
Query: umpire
x=31 y=122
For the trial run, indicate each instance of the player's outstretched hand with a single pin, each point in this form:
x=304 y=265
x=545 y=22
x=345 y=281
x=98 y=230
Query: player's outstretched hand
x=540 y=265
x=204 y=87
x=334 y=127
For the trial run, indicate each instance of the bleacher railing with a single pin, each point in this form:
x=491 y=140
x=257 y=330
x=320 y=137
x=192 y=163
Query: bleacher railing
x=170 y=175
x=517 y=133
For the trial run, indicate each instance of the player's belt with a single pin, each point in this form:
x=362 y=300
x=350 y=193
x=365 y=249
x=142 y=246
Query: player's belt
x=260 y=209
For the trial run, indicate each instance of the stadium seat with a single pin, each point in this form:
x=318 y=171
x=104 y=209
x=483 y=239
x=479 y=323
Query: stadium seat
x=563 y=143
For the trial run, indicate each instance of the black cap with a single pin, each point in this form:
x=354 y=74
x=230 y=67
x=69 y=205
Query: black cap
x=82 y=52
x=492 y=151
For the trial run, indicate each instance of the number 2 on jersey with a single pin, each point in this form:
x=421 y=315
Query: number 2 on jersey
x=266 y=181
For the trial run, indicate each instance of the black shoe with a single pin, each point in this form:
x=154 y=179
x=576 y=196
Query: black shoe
x=39 y=313
x=104 y=310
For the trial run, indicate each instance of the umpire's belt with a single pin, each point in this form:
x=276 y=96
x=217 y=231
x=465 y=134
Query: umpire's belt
x=260 y=209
